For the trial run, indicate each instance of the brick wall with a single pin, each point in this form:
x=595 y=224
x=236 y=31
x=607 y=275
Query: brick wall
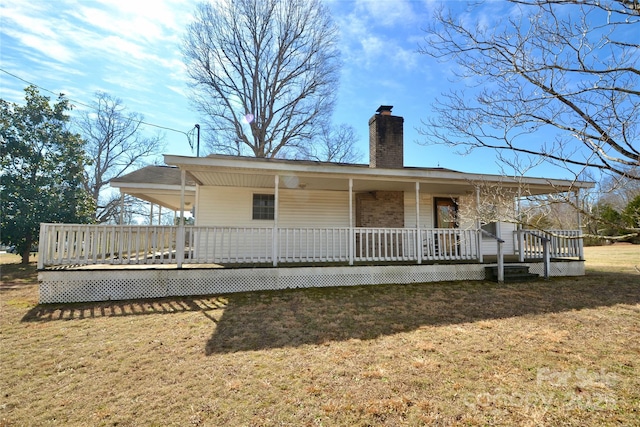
x=380 y=209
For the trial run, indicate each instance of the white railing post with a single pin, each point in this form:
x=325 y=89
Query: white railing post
x=42 y=243
x=547 y=258
x=180 y=245
x=580 y=246
x=500 y=262
x=520 y=245
x=419 y=245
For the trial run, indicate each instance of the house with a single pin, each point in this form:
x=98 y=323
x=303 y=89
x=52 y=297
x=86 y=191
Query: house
x=274 y=224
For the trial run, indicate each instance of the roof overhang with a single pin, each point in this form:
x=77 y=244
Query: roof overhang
x=219 y=170
x=168 y=196
x=159 y=185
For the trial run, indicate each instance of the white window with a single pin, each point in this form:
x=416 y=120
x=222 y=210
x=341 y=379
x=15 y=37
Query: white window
x=264 y=206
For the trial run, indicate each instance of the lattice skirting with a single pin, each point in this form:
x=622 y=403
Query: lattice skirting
x=63 y=286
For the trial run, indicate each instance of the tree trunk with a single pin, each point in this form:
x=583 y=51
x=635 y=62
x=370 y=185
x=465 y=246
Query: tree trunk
x=25 y=255
x=26 y=250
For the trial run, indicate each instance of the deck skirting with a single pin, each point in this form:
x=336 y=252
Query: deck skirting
x=67 y=286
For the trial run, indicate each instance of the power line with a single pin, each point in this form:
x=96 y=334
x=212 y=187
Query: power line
x=94 y=108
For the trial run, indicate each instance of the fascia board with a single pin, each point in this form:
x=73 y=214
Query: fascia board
x=148 y=186
x=204 y=164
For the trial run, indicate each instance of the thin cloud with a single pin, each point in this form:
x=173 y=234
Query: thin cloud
x=366 y=40
x=35 y=33
x=389 y=14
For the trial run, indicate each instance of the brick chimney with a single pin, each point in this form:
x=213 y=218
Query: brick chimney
x=386 y=140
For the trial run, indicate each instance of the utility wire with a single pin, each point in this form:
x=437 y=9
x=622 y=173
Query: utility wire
x=93 y=108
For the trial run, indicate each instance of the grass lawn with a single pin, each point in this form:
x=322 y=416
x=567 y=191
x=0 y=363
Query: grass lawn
x=562 y=352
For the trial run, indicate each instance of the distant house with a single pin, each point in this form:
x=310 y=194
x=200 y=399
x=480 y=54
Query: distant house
x=321 y=224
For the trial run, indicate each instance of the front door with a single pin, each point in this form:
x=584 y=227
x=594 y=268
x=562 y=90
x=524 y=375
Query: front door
x=446 y=216
x=446 y=212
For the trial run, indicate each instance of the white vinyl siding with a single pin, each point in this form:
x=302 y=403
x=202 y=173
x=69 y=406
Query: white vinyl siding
x=316 y=209
x=233 y=207
x=228 y=207
x=426 y=210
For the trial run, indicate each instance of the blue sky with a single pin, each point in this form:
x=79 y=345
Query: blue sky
x=131 y=50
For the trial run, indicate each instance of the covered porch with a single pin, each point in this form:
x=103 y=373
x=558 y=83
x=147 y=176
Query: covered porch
x=95 y=262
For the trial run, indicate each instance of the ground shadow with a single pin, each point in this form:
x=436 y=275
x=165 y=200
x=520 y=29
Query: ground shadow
x=53 y=312
x=291 y=318
x=314 y=316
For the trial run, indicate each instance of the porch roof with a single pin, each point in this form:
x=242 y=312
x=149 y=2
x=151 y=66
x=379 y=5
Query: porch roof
x=223 y=170
x=161 y=184
x=157 y=184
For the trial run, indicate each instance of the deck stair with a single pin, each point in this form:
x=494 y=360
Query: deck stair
x=512 y=273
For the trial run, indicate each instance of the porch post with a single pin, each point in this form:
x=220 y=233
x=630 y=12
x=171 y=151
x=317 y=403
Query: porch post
x=159 y=214
x=183 y=179
x=274 y=241
x=180 y=234
x=580 y=240
x=519 y=226
x=121 y=208
x=418 y=234
x=519 y=208
x=479 y=226
x=352 y=241
x=151 y=214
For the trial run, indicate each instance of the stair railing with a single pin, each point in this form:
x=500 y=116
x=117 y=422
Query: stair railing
x=500 y=252
x=546 y=253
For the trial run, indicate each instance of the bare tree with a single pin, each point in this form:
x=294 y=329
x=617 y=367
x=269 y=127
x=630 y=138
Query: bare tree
x=115 y=144
x=618 y=191
x=333 y=144
x=264 y=72
x=561 y=69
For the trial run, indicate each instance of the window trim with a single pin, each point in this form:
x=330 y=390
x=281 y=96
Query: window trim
x=263 y=212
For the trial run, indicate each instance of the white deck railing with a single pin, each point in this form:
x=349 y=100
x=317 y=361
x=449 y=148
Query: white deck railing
x=74 y=244
x=449 y=244
x=562 y=243
x=410 y=244
x=313 y=244
x=228 y=245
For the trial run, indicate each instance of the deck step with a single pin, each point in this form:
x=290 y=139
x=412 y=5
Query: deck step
x=512 y=273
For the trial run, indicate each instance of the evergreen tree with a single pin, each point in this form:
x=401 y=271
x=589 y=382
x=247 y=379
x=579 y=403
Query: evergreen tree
x=42 y=170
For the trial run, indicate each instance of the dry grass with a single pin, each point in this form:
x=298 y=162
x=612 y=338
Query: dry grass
x=563 y=352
